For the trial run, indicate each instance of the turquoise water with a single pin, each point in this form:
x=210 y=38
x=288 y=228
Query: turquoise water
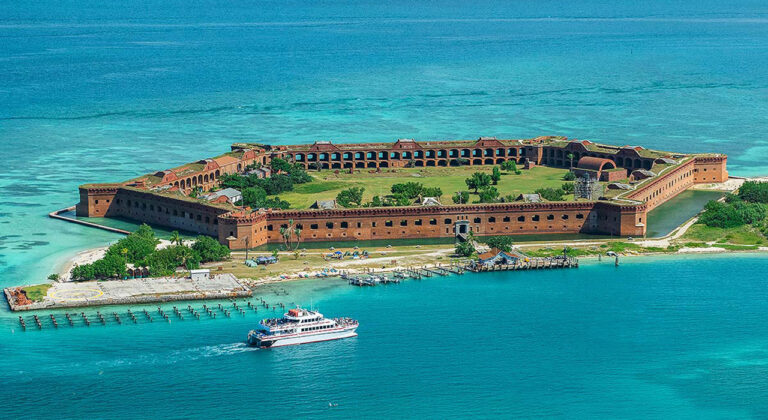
x=103 y=92
x=652 y=338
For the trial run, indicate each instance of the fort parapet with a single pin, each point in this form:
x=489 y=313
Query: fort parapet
x=163 y=198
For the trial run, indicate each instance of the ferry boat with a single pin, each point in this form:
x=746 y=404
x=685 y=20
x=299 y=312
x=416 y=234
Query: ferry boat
x=300 y=326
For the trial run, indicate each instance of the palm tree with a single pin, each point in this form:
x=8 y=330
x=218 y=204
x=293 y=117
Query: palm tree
x=176 y=237
x=570 y=156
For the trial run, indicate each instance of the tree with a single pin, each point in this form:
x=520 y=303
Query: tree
x=489 y=195
x=461 y=197
x=465 y=249
x=570 y=157
x=376 y=202
x=478 y=180
x=503 y=243
x=176 y=237
x=495 y=175
x=410 y=190
x=431 y=192
x=288 y=232
x=754 y=192
x=210 y=249
x=351 y=197
x=53 y=277
x=568 y=187
x=569 y=176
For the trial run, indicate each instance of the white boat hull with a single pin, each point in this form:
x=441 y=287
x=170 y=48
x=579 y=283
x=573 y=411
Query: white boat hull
x=295 y=339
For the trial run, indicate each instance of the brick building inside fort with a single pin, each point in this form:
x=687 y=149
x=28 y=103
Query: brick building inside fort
x=163 y=198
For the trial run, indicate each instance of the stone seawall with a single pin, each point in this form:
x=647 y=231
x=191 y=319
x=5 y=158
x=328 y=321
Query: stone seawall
x=132 y=292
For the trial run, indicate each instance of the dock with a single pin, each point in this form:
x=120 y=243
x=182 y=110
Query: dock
x=531 y=264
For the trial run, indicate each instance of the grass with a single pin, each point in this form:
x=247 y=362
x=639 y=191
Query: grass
x=450 y=180
x=36 y=293
x=615 y=246
x=741 y=235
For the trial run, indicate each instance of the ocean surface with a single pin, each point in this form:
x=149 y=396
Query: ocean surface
x=103 y=91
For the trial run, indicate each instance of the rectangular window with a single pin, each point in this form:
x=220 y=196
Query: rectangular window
x=313 y=226
x=388 y=223
x=403 y=223
x=344 y=225
x=432 y=221
x=417 y=222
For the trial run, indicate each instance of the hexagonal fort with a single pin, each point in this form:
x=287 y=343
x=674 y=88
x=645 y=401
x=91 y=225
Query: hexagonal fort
x=163 y=198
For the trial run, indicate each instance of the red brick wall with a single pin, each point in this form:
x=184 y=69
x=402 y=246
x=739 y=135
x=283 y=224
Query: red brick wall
x=663 y=187
x=96 y=201
x=710 y=169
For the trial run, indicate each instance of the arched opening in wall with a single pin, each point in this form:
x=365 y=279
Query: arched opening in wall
x=335 y=156
x=298 y=157
x=477 y=152
x=620 y=161
x=647 y=164
x=218 y=174
x=360 y=165
x=637 y=163
x=500 y=160
x=442 y=163
x=176 y=184
x=442 y=153
x=193 y=180
x=324 y=165
x=371 y=164
x=455 y=162
x=199 y=179
x=370 y=155
x=347 y=156
x=395 y=155
x=429 y=154
x=453 y=153
x=489 y=161
x=477 y=161
x=418 y=163
x=430 y=163
x=348 y=165
x=383 y=155
x=512 y=152
x=488 y=152
x=239 y=167
x=500 y=152
x=336 y=165
x=466 y=153
x=384 y=165
x=205 y=179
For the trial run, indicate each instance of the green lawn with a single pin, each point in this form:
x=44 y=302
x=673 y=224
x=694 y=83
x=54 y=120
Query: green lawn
x=327 y=184
x=37 y=293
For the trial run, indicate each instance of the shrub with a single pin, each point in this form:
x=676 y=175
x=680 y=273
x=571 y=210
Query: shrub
x=568 y=187
x=569 y=176
x=551 y=194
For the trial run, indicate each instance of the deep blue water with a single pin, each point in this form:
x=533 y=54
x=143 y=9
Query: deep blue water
x=103 y=91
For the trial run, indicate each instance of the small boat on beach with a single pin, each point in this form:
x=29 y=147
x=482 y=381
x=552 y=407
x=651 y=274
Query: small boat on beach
x=300 y=326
